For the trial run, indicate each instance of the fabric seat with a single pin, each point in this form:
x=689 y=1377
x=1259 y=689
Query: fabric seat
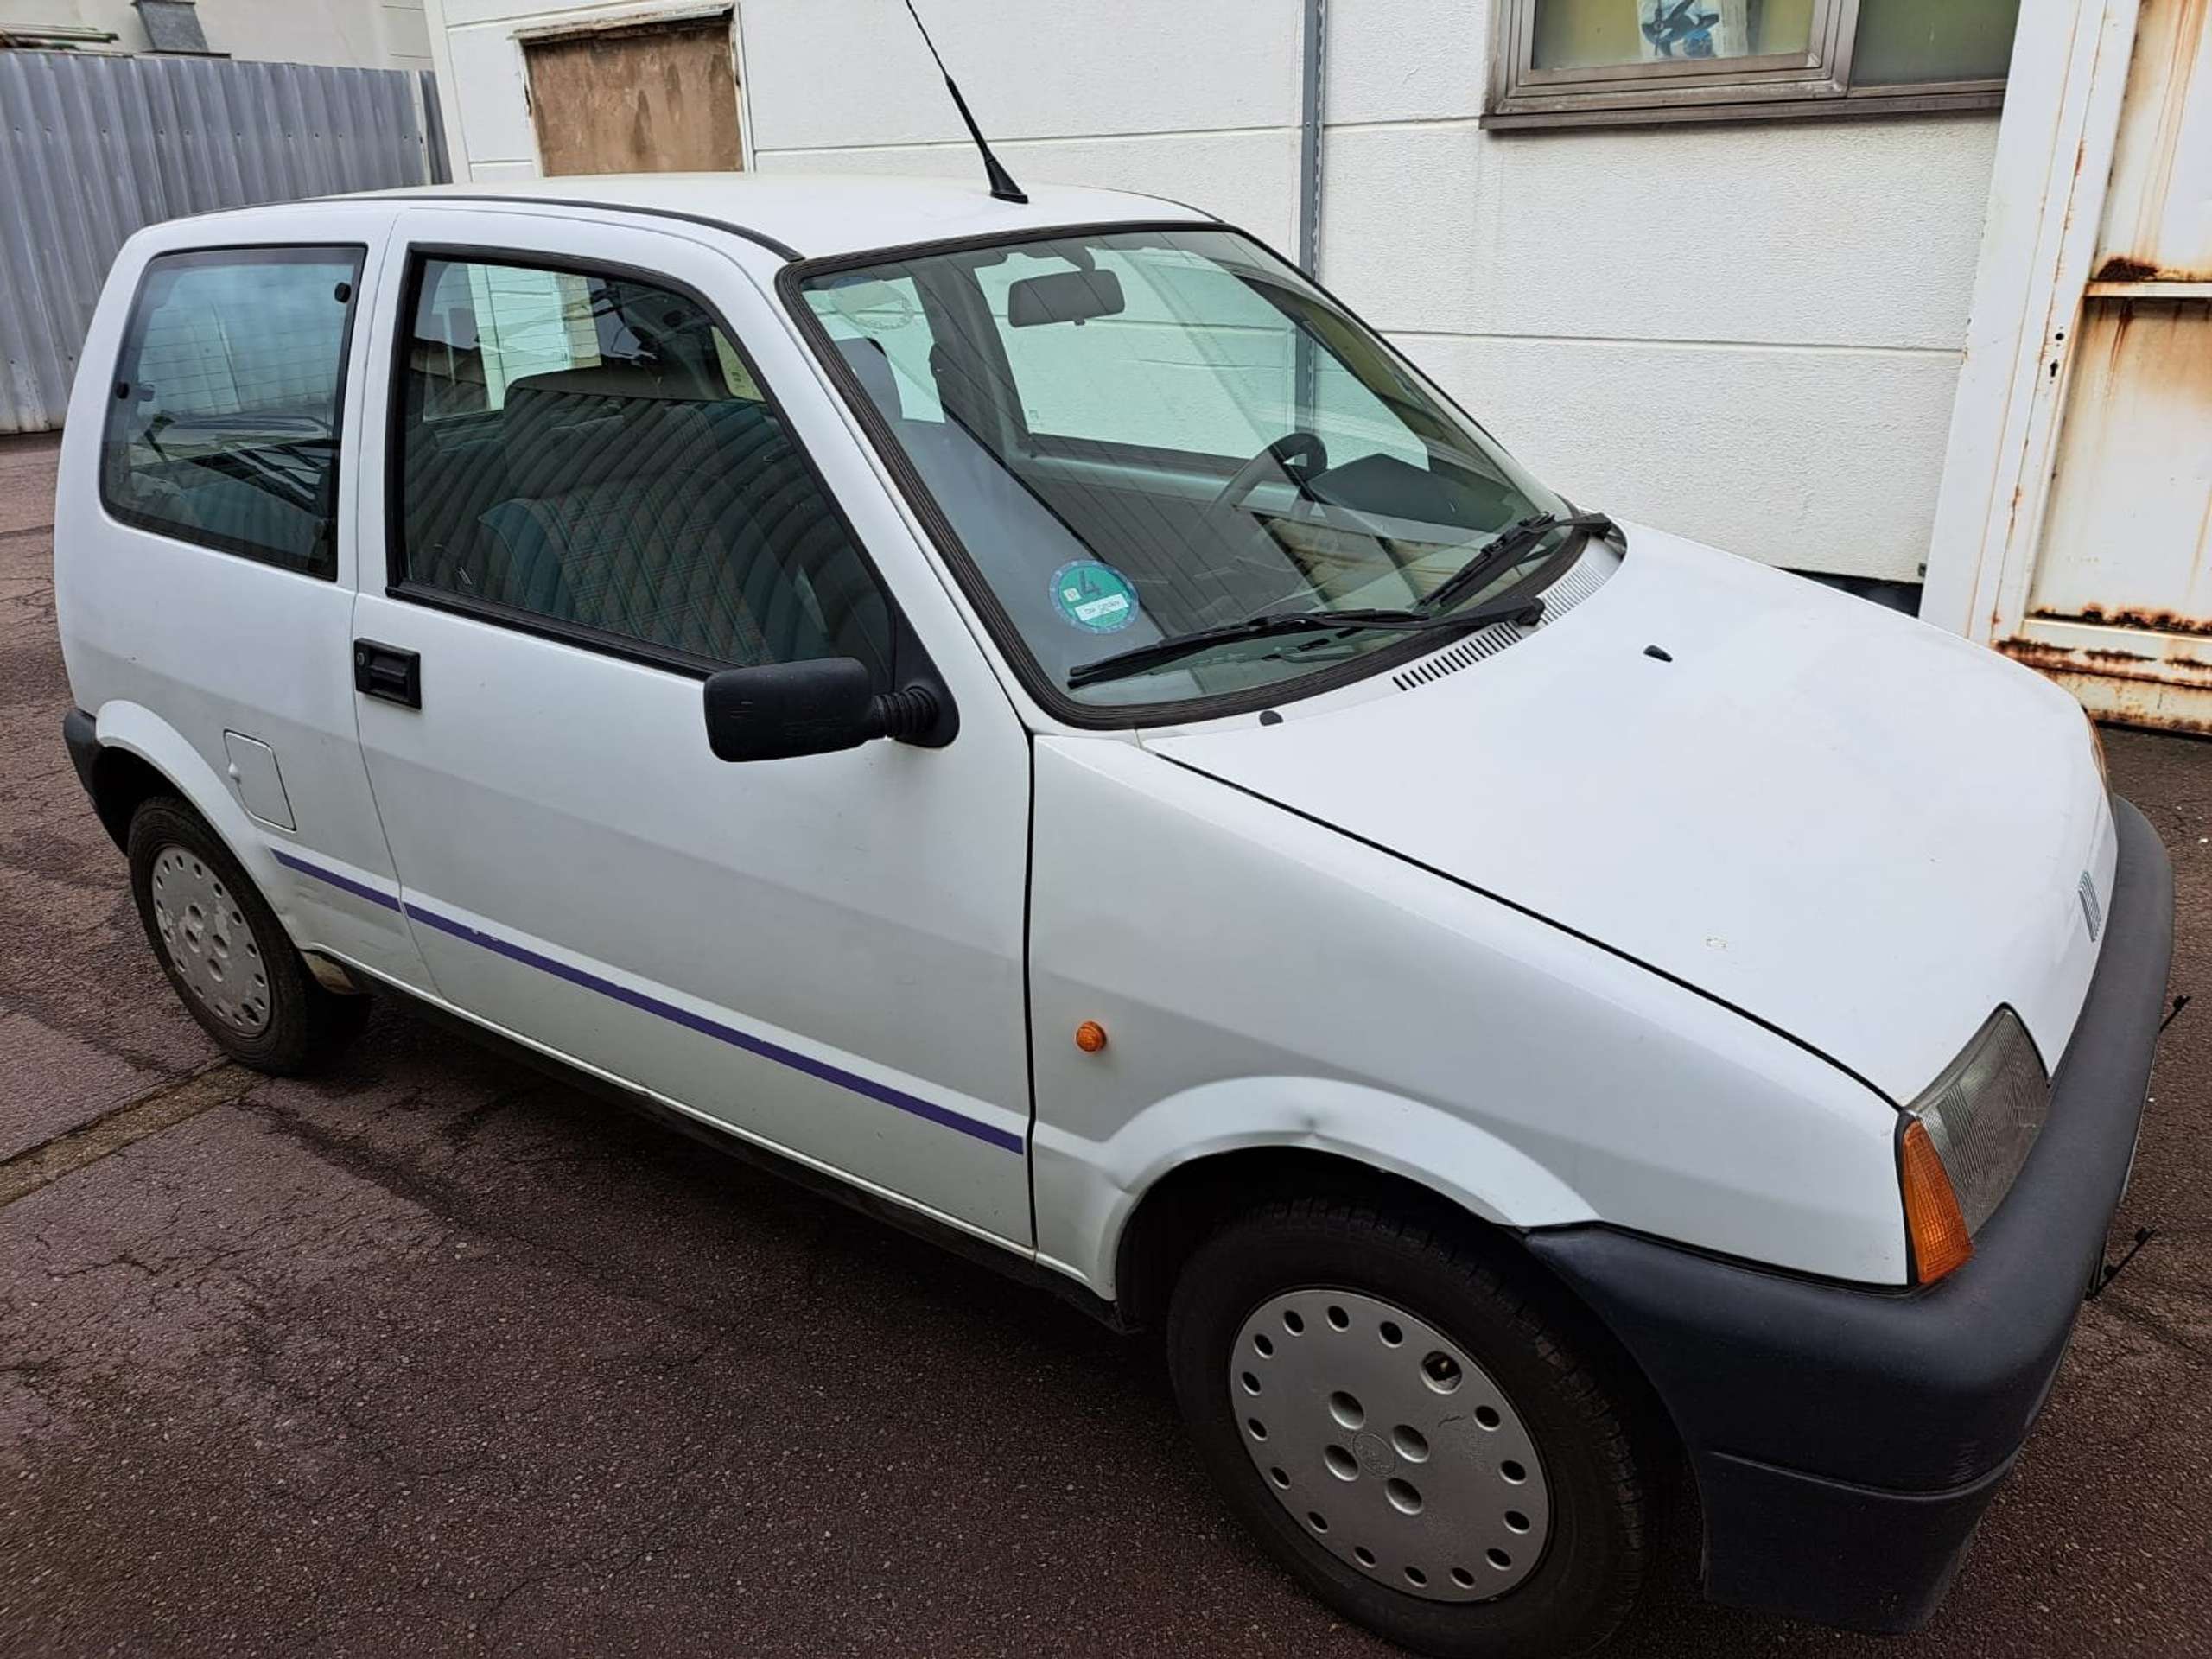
x=686 y=521
x=241 y=513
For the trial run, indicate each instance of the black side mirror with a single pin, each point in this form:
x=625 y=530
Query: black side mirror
x=778 y=710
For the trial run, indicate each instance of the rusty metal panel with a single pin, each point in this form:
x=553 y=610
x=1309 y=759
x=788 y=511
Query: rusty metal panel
x=2158 y=223
x=2119 y=604
x=2120 y=612
x=2124 y=675
x=91 y=148
x=2128 y=540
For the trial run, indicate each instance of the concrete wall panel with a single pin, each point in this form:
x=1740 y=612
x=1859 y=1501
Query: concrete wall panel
x=1758 y=233
x=1247 y=178
x=1814 y=458
x=491 y=117
x=836 y=73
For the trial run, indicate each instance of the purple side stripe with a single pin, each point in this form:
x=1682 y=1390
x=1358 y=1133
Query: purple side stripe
x=342 y=883
x=898 y=1098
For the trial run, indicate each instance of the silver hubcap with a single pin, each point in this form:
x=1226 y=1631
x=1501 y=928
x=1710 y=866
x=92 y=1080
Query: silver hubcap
x=209 y=942
x=1394 y=1450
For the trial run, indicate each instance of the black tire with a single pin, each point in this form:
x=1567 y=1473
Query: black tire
x=1594 y=1558
x=305 y=1026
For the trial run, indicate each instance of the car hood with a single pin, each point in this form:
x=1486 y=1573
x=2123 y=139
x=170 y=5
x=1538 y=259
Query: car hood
x=1853 y=827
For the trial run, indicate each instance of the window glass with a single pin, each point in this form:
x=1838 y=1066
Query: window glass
x=1586 y=33
x=1903 y=41
x=1564 y=62
x=1143 y=433
x=223 y=427
x=594 y=451
x=1194 y=360
x=888 y=316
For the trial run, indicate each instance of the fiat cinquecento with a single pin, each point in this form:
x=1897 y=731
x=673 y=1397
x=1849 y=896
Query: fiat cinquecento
x=1031 y=716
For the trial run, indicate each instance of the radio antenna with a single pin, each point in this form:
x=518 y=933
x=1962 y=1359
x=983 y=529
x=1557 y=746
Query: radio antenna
x=1002 y=185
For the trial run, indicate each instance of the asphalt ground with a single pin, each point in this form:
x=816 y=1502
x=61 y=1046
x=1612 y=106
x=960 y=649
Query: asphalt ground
x=433 y=1355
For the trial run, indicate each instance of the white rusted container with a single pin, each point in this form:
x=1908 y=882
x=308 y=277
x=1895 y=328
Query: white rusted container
x=2074 y=527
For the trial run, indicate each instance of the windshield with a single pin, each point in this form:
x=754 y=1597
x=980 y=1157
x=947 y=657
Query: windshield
x=1136 y=435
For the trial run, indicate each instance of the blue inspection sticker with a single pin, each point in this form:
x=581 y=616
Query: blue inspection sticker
x=1094 y=597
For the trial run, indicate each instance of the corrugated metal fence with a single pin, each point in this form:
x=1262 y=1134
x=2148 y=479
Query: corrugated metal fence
x=93 y=147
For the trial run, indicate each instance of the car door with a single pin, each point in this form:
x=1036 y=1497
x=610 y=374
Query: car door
x=610 y=471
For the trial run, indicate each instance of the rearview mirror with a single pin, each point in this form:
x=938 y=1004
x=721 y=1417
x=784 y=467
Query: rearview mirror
x=779 y=710
x=1063 y=297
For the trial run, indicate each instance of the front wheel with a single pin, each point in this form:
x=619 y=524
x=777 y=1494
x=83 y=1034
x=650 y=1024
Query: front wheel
x=1418 y=1442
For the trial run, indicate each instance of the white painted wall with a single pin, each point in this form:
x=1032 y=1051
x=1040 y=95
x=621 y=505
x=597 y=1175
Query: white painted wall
x=353 y=34
x=1747 y=333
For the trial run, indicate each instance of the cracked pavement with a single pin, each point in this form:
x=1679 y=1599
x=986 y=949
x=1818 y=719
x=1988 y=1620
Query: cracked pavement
x=436 y=1355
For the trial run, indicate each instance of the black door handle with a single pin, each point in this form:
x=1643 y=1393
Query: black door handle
x=388 y=672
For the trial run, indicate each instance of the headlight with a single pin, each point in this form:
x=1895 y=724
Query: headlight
x=1963 y=1141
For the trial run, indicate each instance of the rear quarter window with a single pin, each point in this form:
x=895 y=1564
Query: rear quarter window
x=223 y=419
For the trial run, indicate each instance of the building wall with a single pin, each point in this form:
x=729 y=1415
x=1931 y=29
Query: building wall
x=353 y=34
x=1749 y=333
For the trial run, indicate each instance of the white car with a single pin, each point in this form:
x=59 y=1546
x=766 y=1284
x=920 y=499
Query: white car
x=1033 y=716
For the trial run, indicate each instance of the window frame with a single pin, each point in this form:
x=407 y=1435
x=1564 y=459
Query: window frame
x=1013 y=649
x=1769 y=87
x=645 y=653
x=133 y=340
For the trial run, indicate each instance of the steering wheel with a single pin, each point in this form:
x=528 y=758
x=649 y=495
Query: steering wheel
x=1312 y=454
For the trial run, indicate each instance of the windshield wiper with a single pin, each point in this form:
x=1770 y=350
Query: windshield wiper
x=1503 y=548
x=1269 y=624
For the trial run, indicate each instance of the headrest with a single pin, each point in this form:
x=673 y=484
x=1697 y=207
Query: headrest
x=873 y=368
x=558 y=437
x=616 y=379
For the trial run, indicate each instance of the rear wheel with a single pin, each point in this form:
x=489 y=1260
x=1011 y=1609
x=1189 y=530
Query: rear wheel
x=1419 y=1441
x=226 y=953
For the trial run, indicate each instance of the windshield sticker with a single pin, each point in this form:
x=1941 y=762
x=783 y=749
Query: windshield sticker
x=1094 y=597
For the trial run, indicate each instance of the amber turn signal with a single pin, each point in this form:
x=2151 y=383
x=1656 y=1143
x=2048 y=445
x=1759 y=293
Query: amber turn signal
x=1932 y=1221
x=1090 y=1036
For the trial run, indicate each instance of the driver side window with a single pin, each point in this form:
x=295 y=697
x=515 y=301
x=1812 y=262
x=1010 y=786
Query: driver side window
x=592 y=453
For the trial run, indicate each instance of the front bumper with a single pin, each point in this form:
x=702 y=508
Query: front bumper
x=1845 y=1441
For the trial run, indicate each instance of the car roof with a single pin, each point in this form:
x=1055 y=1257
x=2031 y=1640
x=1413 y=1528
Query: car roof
x=810 y=214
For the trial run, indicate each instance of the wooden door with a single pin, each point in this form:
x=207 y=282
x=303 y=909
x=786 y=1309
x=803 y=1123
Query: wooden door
x=640 y=97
